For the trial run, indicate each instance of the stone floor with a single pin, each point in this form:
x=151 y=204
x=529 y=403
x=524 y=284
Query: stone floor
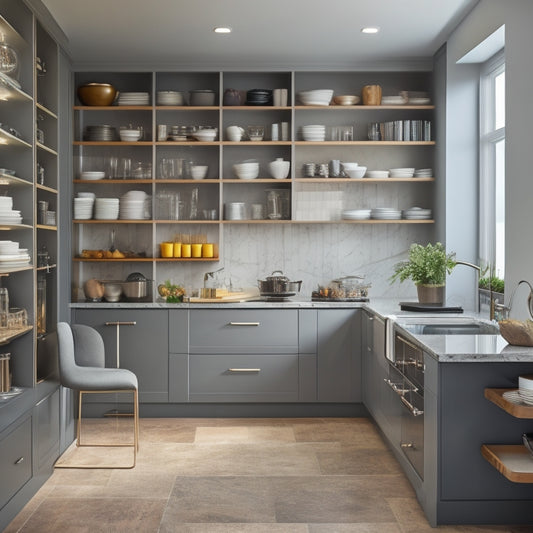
x=307 y=475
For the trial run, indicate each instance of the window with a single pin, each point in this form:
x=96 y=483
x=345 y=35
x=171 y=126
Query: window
x=492 y=164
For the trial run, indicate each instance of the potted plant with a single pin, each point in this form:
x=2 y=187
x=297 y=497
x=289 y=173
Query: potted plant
x=490 y=285
x=427 y=267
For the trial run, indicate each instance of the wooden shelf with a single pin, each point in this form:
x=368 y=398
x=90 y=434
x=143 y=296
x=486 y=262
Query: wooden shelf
x=46 y=188
x=364 y=143
x=516 y=410
x=45 y=148
x=7 y=179
x=7 y=138
x=512 y=461
x=362 y=180
x=111 y=260
x=44 y=109
x=6 y=336
x=359 y=107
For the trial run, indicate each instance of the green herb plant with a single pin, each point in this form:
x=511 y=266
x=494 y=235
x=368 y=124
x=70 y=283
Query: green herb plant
x=492 y=282
x=426 y=265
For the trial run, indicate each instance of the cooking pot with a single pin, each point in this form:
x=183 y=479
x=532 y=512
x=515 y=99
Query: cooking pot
x=279 y=286
x=136 y=286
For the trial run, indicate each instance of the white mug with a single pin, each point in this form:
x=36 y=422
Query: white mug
x=235 y=133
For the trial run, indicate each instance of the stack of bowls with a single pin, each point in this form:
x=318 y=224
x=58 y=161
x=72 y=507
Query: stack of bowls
x=259 y=97
x=92 y=175
x=316 y=97
x=314 y=132
x=205 y=134
x=525 y=388
x=132 y=205
x=247 y=170
x=199 y=172
x=83 y=207
x=130 y=135
x=106 y=208
x=169 y=98
x=401 y=172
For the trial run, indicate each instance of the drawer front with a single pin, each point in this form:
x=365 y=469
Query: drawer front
x=244 y=331
x=15 y=461
x=243 y=378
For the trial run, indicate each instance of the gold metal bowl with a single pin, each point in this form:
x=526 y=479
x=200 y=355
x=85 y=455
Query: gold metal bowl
x=97 y=94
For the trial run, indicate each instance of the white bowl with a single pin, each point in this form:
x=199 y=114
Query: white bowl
x=355 y=173
x=349 y=165
x=346 y=99
x=246 y=173
x=526 y=382
x=206 y=135
x=279 y=169
x=199 y=172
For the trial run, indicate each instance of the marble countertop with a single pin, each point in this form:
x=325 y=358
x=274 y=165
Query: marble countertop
x=444 y=348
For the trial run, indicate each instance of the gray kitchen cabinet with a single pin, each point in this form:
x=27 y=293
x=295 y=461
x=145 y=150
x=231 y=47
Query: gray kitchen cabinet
x=178 y=358
x=15 y=458
x=339 y=355
x=142 y=338
x=46 y=432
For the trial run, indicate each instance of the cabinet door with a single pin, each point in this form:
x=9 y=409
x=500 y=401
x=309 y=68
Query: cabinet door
x=339 y=355
x=143 y=346
x=46 y=426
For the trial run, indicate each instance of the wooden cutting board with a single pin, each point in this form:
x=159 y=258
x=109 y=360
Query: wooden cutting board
x=240 y=296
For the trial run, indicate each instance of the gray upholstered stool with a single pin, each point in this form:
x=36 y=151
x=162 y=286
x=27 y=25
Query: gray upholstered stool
x=82 y=368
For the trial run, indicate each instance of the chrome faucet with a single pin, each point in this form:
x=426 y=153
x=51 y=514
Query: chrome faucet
x=478 y=270
x=505 y=310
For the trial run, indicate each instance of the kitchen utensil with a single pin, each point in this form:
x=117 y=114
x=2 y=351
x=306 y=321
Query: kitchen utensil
x=112 y=290
x=232 y=97
x=279 y=169
x=202 y=97
x=4 y=307
x=97 y=94
x=279 y=286
x=256 y=133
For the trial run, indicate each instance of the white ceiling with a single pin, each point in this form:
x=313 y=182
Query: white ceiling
x=274 y=33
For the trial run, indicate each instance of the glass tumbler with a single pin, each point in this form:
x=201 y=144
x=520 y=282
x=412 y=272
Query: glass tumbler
x=4 y=308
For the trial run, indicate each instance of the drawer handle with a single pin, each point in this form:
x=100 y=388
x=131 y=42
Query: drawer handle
x=19 y=460
x=244 y=370
x=132 y=323
x=412 y=409
x=244 y=323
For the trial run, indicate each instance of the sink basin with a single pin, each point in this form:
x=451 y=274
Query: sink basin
x=453 y=326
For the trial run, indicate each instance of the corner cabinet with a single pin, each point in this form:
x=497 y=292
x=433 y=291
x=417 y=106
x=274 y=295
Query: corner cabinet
x=29 y=139
x=186 y=210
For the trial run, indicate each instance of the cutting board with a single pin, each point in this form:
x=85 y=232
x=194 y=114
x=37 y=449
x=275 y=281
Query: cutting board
x=432 y=308
x=240 y=296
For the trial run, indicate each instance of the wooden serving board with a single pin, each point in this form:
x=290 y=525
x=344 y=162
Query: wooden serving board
x=240 y=296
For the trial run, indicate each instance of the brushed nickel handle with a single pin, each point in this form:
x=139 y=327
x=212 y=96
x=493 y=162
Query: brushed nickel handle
x=131 y=323
x=395 y=387
x=244 y=323
x=407 y=445
x=413 y=410
x=244 y=370
x=19 y=460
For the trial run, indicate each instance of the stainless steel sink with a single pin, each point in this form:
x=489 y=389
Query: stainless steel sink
x=448 y=326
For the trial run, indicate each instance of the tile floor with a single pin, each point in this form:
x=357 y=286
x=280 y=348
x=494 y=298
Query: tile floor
x=307 y=475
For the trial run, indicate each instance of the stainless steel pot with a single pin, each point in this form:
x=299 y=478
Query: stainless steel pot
x=136 y=286
x=279 y=286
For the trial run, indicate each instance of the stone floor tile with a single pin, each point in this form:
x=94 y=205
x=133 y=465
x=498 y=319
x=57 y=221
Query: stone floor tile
x=358 y=462
x=235 y=528
x=388 y=527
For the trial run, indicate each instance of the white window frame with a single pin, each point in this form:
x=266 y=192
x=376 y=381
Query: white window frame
x=489 y=136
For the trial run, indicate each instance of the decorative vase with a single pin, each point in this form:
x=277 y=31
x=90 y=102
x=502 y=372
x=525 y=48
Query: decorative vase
x=371 y=95
x=431 y=294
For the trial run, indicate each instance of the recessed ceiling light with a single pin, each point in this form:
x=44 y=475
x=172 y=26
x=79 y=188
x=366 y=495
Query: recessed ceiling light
x=370 y=29
x=222 y=29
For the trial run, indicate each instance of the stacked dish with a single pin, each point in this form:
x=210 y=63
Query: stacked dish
x=316 y=97
x=106 y=208
x=416 y=213
x=416 y=97
x=100 y=132
x=133 y=205
x=385 y=213
x=169 y=98
x=92 y=175
x=347 y=99
x=235 y=211
x=377 y=174
x=130 y=135
x=314 y=132
x=259 y=97
x=356 y=214
x=424 y=173
x=206 y=134
x=247 y=170
x=12 y=256
x=134 y=98
x=393 y=100
x=7 y=214
x=401 y=172
x=525 y=388
x=83 y=208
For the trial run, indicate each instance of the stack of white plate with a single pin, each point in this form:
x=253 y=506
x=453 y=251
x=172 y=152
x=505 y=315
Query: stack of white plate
x=423 y=173
x=12 y=256
x=401 y=172
x=393 y=100
x=314 y=132
x=316 y=97
x=356 y=214
x=525 y=388
x=106 y=208
x=133 y=205
x=134 y=99
x=416 y=213
x=385 y=213
x=379 y=174
x=92 y=175
x=100 y=133
x=7 y=214
x=169 y=98
x=83 y=208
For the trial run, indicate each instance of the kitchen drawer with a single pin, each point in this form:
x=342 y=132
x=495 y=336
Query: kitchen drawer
x=244 y=331
x=15 y=460
x=243 y=378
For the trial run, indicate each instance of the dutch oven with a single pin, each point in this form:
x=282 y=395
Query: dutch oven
x=136 y=286
x=279 y=286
